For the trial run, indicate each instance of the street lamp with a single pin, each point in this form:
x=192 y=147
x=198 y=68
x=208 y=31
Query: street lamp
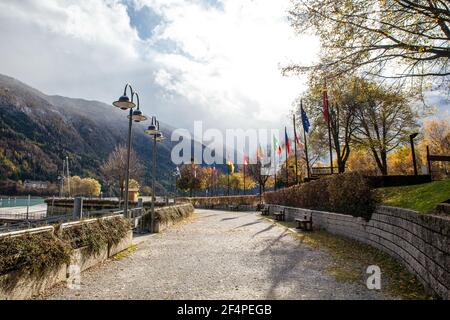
x=154 y=132
x=411 y=138
x=125 y=103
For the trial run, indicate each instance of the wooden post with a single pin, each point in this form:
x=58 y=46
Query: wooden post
x=428 y=160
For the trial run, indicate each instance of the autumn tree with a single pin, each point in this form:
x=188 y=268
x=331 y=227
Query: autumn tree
x=385 y=38
x=258 y=173
x=191 y=178
x=362 y=160
x=344 y=98
x=114 y=168
x=436 y=135
x=290 y=167
x=88 y=187
x=400 y=161
x=384 y=121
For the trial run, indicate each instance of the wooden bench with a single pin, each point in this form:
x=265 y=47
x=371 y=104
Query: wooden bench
x=304 y=222
x=279 y=214
x=265 y=210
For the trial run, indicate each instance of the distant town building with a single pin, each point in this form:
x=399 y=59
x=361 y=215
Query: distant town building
x=133 y=194
x=37 y=185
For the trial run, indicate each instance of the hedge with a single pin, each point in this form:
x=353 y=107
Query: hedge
x=347 y=193
x=205 y=201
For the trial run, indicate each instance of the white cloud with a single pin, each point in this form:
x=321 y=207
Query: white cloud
x=223 y=65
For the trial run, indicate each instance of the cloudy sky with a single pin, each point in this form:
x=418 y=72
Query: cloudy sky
x=212 y=60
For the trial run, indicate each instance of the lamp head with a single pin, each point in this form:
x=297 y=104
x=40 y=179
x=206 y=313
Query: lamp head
x=152 y=130
x=138 y=116
x=124 y=103
x=412 y=136
x=159 y=137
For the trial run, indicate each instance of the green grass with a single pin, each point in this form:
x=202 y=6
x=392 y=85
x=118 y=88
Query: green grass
x=421 y=198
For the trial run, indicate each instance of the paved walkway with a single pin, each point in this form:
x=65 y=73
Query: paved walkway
x=219 y=255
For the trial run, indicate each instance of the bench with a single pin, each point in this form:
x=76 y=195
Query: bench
x=304 y=222
x=279 y=214
x=233 y=207
x=265 y=210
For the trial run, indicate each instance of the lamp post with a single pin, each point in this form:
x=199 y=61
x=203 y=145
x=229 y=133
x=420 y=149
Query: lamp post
x=411 y=138
x=124 y=103
x=154 y=132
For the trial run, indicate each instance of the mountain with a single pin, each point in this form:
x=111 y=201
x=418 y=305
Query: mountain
x=37 y=131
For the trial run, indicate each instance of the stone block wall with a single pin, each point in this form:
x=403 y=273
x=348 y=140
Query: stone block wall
x=420 y=242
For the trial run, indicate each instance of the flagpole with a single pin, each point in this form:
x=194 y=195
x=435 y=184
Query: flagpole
x=295 y=145
x=329 y=130
x=245 y=191
x=275 y=175
x=287 y=157
x=228 y=189
x=306 y=144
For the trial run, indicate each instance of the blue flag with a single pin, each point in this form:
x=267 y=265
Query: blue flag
x=305 y=120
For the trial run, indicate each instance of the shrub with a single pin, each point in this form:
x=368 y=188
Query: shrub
x=32 y=254
x=96 y=235
x=347 y=193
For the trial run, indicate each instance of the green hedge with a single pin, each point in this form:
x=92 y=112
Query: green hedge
x=347 y=193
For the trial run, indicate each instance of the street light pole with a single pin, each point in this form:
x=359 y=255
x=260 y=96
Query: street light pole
x=153 y=176
x=154 y=132
x=124 y=103
x=127 y=172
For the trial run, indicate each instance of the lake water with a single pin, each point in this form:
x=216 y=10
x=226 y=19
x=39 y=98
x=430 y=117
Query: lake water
x=10 y=202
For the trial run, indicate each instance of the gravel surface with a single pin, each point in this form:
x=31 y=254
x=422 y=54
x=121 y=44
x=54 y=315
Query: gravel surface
x=218 y=255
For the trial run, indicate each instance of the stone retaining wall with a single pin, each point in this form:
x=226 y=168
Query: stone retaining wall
x=420 y=242
x=167 y=216
x=26 y=287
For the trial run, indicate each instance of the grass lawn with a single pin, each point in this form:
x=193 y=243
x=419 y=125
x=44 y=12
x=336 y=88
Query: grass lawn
x=421 y=198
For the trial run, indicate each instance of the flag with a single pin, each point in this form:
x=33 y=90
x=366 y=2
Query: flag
x=305 y=120
x=297 y=141
x=275 y=143
x=287 y=142
x=245 y=161
x=280 y=151
x=325 y=101
x=259 y=153
x=231 y=166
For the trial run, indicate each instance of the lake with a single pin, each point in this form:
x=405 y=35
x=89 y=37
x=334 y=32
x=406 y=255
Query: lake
x=19 y=201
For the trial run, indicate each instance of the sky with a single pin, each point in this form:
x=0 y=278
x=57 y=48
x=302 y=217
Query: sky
x=212 y=60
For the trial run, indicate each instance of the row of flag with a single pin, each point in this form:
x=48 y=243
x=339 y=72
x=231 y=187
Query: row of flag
x=277 y=147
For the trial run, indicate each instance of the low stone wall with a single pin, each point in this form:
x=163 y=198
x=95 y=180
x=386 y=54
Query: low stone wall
x=420 y=242
x=166 y=216
x=25 y=287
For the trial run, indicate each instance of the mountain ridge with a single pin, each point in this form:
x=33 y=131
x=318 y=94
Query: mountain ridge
x=39 y=130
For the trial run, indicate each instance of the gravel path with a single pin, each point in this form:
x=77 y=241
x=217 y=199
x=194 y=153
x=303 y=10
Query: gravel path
x=219 y=255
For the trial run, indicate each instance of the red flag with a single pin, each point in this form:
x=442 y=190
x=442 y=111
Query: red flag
x=287 y=142
x=325 y=101
x=280 y=150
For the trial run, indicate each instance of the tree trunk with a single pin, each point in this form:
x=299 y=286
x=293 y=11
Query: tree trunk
x=384 y=169
x=341 y=166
